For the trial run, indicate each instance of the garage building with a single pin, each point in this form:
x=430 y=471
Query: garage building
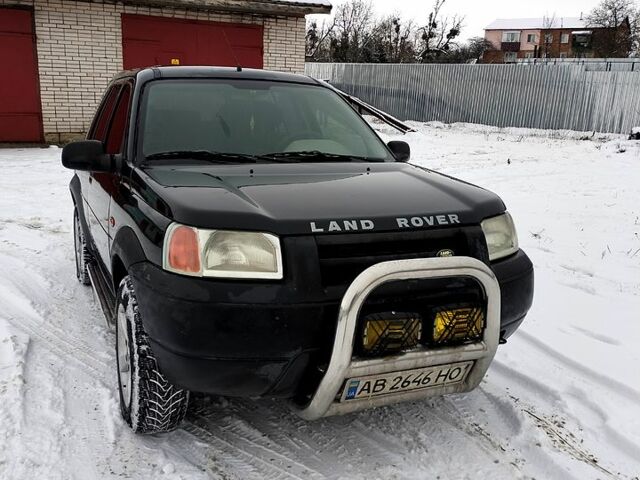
x=59 y=55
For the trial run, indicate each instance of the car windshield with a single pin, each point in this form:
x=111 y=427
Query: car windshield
x=252 y=118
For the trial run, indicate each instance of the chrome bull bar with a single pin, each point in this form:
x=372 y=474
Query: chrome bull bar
x=325 y=402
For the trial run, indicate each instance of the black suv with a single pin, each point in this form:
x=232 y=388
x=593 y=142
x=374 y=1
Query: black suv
x=248 y=234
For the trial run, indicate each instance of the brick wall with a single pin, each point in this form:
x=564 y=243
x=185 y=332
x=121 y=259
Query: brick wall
x=555 y=47
x=284 y=43
x=80 y=48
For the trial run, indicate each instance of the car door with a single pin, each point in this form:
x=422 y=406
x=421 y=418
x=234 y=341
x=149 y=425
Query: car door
x=103 y=185
x=98 y=131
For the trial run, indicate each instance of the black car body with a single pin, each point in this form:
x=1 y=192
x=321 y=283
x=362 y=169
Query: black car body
x=334 y=217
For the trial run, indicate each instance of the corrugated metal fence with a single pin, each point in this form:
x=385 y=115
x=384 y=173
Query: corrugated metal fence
x=531 y=96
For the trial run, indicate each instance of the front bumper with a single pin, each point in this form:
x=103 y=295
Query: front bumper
x=253 y=339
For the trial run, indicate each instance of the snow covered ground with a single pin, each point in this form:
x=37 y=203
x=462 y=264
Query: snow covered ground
x=562 y=400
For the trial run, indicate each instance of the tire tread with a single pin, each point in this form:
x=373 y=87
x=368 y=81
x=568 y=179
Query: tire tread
x=157 y=405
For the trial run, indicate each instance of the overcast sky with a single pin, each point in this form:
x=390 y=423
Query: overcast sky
x=479 y=13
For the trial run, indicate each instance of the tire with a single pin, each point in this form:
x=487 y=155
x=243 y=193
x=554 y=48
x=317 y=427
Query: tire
x=148 y=402
x=83 y=257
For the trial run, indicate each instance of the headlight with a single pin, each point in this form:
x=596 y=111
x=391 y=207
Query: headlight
x=501 y=236
x=221 y=253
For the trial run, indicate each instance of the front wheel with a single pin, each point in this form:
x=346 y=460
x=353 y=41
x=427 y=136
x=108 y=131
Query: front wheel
x=148 y=402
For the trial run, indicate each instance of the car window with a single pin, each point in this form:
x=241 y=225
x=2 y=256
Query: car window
x=118 y=126
x=252 y=117
x=99 y=131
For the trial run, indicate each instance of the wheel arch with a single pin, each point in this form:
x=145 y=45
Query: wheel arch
x=126 y=250
x=76 y=196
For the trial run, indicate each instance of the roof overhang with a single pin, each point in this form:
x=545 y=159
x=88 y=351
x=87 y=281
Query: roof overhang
x=260 y=7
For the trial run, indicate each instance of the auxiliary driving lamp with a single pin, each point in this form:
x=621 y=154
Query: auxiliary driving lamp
x=458 y=325
x=390 y=332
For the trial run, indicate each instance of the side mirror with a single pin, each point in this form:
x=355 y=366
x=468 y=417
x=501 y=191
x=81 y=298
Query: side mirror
x=401 y=150
x=86 y=155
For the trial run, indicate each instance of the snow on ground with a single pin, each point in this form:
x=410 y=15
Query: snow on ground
x=562 y=399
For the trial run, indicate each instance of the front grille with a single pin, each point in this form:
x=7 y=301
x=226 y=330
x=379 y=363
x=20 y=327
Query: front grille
x=343 y=257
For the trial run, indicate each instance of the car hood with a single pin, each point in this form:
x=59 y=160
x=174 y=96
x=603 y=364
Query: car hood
x=292 y=199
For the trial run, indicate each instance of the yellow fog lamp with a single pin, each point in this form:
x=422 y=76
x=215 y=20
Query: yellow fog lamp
x=458 y=325
x=390 y=332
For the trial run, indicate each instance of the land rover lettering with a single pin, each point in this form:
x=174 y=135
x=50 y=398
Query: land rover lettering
x=342 y=226
x=428 y=221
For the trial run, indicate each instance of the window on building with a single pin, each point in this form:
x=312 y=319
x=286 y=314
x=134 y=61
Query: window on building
x=119 y=123
x=582 y=39
x=510 y=37
x=532 y=38
x=510 y=57
x=528 y=55
x=563 y=55
x=564 y=38
x=548 y=38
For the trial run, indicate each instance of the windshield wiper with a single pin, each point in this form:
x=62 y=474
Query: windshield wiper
x=214 y=157
x=313 y=156
x=279 y=157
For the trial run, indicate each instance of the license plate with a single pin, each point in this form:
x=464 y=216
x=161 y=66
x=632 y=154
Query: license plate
x=408 y=380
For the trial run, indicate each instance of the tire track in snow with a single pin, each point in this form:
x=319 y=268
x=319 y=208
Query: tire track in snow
x=609 y=384
x=315 y=446
x=13 y=351
x=613 y=387
x=36 y=317
x=229 y=444
x=329 y=440
x=565 y=443
x=67 y=347
x=451 y=416
x=53 y=429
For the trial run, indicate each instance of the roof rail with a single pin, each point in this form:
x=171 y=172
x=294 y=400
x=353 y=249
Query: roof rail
x=363 y=107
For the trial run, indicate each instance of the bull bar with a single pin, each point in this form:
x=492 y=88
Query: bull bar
x=342 y=366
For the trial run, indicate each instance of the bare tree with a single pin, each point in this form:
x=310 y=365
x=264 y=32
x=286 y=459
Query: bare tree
x=475 y=48
x=469 y=52
x=316 y=37
x=355 y=34
x=548 y=24
x=392 y=42
x=438 y=37
x=620 y=20
x=353 y=24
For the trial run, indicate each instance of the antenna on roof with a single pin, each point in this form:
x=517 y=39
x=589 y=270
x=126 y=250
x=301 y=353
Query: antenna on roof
x=233 y=52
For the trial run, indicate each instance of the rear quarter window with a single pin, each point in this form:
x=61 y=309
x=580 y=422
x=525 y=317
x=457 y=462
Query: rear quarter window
x=101 y=123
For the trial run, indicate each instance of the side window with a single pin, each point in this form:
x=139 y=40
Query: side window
x=119 y=123
x=99 y=131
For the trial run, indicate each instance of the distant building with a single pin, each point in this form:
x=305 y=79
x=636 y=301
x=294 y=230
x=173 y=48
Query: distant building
x=515 y=39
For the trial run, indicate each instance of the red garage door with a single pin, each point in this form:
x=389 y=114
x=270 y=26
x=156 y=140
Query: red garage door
x=150 y=41
x=20 y=114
